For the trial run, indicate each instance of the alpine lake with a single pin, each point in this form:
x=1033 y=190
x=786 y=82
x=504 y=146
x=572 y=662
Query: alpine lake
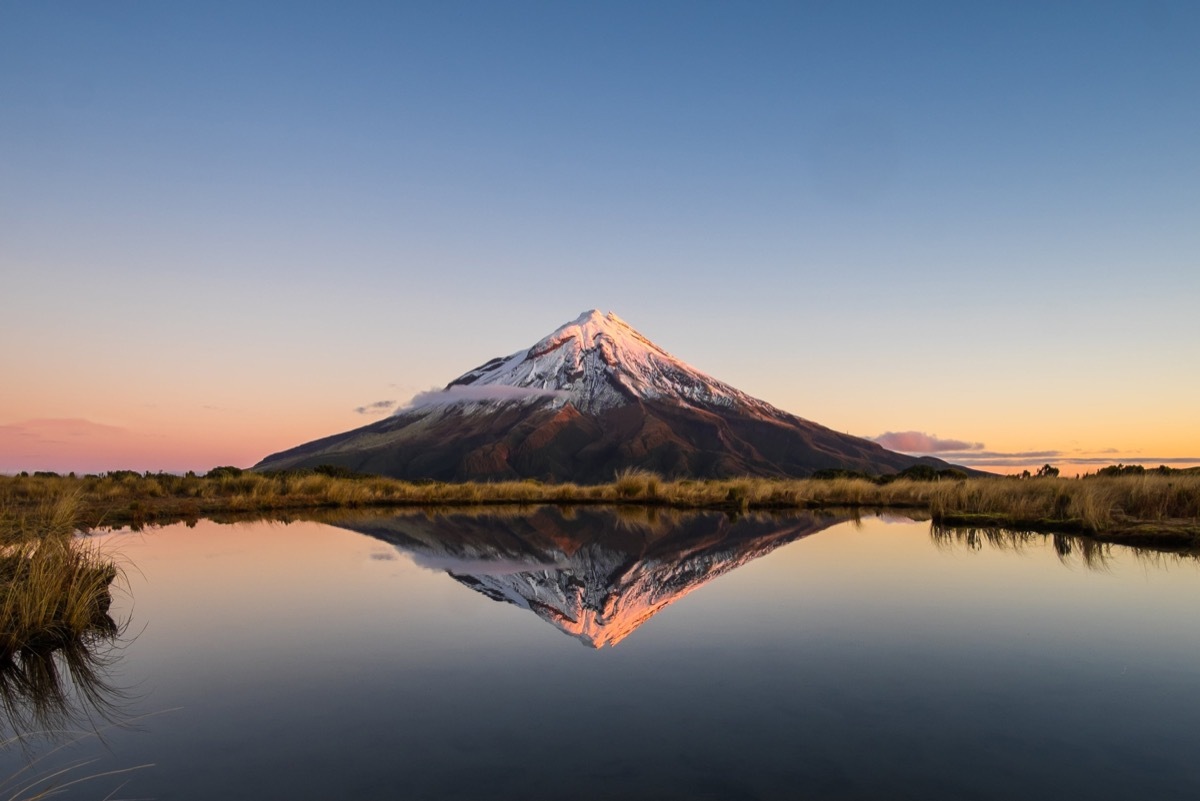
x=595 y=653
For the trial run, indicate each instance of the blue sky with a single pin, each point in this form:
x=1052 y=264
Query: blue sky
x=976 y=220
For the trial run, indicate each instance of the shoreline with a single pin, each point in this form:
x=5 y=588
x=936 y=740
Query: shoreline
x=1150 y=510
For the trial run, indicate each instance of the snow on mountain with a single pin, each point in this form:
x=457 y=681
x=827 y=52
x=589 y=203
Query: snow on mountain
x=599 y=596
x=591 y=399
x=595 y=362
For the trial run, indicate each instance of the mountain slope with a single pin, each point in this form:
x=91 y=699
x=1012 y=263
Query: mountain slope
x=593 y=397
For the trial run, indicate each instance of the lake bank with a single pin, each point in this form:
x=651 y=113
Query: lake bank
x=1151 y=509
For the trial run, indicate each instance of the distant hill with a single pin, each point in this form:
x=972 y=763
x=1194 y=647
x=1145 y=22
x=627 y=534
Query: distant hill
x=590 y=399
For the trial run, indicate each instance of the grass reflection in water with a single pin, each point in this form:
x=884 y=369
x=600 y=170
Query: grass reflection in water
x=58 y=645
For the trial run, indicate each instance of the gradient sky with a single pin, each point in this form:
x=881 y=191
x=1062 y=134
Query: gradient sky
x=226 y=227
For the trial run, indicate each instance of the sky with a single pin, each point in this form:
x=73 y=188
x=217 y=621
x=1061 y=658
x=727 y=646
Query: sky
x=229 y=228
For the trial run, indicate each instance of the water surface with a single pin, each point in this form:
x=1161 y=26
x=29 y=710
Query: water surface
x=597 y=655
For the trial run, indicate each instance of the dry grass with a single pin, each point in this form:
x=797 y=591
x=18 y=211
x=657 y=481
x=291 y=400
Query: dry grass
x=54 y=587
x=1149 y=503
x=1095 y=504
x=55 y=638
x=125 y=499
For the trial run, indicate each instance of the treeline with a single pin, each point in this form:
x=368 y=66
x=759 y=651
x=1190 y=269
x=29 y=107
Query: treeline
x=1139 y=470
x=223 y=471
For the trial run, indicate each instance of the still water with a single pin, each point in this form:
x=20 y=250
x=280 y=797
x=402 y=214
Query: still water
x=597 y=655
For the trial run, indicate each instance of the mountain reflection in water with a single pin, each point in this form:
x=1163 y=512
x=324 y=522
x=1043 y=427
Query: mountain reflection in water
x=595 y=574
x=308 y=661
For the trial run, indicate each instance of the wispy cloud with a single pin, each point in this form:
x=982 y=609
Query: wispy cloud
x=975 y=454
x=920 y=442
x=58 y=430
x=60 y=442
x=468 y=394
x=980 y=455
x=77 y=444
x=990 y=459
x=378 y=407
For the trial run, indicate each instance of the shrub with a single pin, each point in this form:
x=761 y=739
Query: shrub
x=224 y=471
x=833 y=473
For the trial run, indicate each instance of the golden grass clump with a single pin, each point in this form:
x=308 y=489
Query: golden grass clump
x=1092 y=504
x=632 y=483
x=54 y=587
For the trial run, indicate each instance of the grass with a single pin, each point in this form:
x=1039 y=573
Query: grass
x=54 y=587
x=55 y=592
x=1149 y=507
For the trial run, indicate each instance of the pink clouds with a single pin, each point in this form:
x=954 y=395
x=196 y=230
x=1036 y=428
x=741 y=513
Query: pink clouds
x=85 y=446
x=52 y=443
x=920 y=442
x=972 y=454
x=48 y=430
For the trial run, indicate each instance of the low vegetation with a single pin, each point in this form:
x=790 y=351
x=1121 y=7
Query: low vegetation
x=1157 y=504
x=54 y=587
x=57 y=639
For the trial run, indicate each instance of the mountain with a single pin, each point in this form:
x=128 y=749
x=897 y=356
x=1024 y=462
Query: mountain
x=590 y=399
x=594 y=575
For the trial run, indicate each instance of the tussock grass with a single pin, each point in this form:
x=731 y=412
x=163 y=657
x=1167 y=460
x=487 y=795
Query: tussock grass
x=56 y=637
x=126 y=499
x=54 y=587
x=1149 y=505
x=1096 y=504
x=54 y=600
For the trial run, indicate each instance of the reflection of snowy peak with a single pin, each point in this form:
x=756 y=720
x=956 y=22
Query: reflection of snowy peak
x=598 y=362
x=592 y=576
x=599 y=596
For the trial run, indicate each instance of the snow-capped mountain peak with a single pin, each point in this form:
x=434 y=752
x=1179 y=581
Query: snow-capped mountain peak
x=598 y=361
x=591 y=399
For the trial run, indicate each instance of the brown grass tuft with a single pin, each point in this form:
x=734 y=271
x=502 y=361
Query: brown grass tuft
x=54 y=587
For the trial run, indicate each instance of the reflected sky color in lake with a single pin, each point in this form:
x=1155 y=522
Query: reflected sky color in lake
x=833 y=660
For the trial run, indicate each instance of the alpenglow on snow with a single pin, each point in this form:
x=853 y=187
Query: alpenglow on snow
x=596 y=362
